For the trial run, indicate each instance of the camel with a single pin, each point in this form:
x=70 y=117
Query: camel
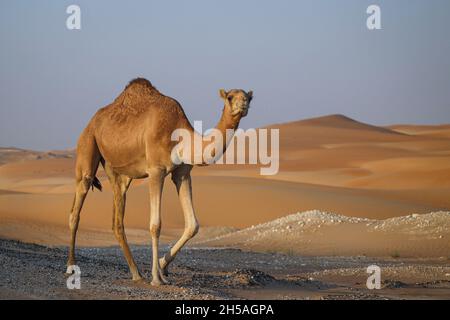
x=131 y=138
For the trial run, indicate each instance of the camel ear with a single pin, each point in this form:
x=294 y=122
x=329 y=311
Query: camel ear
x=223 y=94
x=250 y=95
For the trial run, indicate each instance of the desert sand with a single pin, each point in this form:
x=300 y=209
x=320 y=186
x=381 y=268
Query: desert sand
x=367 y=191
x=331 y=163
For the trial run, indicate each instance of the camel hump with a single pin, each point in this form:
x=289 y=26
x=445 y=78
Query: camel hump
x=140 y=84
x=135 y=99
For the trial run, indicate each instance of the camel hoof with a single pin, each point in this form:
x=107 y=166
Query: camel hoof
x=156 y=283
x=137 y=278
x=69 y=264
x=159 y=280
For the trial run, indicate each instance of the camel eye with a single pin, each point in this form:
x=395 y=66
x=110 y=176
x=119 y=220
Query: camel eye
x=230 y=98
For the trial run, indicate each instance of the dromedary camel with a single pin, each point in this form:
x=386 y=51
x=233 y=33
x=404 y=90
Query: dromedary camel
x=132 y=139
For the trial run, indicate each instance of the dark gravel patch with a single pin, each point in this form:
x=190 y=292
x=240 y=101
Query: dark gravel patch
x=37 y=272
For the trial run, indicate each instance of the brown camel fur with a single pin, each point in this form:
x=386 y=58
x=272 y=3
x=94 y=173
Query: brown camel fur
x=131 y=138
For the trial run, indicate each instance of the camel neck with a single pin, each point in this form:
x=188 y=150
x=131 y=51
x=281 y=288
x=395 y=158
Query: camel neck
x=226 y=126
x=227 y=121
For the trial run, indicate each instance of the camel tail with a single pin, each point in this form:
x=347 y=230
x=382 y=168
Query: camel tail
x=96 y=183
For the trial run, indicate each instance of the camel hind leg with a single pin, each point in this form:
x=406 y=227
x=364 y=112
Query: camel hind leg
x=120 y=185
x=88 y=158
x=82 y=188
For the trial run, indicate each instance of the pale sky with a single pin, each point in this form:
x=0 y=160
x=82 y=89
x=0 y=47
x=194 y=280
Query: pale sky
x=301 y=58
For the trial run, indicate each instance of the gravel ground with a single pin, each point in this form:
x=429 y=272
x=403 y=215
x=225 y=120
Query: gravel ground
x=32 y=271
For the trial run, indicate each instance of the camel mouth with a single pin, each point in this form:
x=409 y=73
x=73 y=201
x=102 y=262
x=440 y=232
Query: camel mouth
x=243 y=110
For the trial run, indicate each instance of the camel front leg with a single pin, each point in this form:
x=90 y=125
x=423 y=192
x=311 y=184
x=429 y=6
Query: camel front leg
x=182 y=179
x=156 y=179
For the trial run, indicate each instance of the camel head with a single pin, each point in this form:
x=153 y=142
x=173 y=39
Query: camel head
x=237 y=101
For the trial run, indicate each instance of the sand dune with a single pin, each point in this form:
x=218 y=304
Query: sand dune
x=331 y=163
x=423 y=130
x=339 y=121
x=10 y=154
